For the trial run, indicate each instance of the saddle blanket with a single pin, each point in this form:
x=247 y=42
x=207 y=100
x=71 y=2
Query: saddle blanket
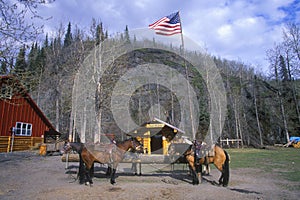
x=206 y=151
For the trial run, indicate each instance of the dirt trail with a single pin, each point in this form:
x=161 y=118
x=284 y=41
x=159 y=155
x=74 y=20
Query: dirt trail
x=26 y=175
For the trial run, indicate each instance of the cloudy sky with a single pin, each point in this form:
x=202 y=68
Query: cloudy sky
x=234 y=29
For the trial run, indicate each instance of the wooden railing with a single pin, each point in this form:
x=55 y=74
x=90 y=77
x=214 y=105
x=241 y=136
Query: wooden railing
x=18 y=143
x=231 y=142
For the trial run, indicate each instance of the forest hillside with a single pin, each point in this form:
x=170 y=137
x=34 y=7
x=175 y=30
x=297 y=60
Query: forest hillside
x=262 y=109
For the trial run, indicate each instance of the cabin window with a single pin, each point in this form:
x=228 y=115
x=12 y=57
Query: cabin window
x=23 y=129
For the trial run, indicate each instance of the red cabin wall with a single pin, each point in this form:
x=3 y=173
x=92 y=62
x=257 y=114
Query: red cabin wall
x=19 y=110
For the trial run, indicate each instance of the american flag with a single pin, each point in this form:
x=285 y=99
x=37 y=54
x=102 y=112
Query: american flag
x=168 y=25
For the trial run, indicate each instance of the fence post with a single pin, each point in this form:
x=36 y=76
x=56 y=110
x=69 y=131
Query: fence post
x=12 y=142
x=8 y=144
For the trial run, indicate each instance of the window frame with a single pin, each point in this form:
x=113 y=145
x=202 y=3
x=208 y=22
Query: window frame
x=22 y=129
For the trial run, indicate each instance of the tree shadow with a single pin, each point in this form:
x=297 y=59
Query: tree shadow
x=244 y=191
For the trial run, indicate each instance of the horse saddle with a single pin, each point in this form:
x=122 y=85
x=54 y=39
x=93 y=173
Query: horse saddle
x=108 y=148
x=206 y=151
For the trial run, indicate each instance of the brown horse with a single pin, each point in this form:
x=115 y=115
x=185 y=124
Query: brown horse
x=112 y=156
x=218 y=157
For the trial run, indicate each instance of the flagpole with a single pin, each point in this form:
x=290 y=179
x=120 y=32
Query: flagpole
x=187 y=80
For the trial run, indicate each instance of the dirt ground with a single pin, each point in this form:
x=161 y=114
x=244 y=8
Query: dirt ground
x=26 y=175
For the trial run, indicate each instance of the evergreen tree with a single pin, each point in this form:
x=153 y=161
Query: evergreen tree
x=41 y=59
x=127 y=38
x=32 y=56
x=46 y=42
x=21 y=65
x=3 y=68
x=68 y=37
x=56 y=44
x=99 y=34
x=283 y=69
x=106 y=34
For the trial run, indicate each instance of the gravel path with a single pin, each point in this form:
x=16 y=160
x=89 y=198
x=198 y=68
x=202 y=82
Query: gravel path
x=26 y=175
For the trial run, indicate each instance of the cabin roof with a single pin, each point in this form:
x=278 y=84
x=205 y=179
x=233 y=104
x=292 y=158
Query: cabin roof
x=155 y=125
x=24 y=93
x=169 y=125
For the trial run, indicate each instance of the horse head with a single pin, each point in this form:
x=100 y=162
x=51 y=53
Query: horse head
x=137 y=146
x=68 y=146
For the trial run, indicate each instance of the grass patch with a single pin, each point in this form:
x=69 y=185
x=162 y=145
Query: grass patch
x=284 y=161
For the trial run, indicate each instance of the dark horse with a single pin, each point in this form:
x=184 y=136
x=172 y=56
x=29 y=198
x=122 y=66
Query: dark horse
x=219 y=158
x=112 y=156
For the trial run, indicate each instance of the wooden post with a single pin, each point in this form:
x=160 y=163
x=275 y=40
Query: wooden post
x=67 y=161
x=8 y=143
x=12 y=142
x=147 y=142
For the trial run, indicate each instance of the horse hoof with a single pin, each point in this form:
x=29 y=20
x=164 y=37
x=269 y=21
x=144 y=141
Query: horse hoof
x=87 y=183
x=195 y=182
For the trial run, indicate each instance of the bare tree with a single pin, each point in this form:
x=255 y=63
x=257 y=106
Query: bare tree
x=255 y=91
x=14 y=27
x=273 y=56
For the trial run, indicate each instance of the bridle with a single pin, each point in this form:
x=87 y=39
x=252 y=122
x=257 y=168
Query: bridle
x=67 y=147
x=133 y=142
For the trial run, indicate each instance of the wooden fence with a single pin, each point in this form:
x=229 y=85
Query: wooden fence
x=231 y=143
x=19 y=143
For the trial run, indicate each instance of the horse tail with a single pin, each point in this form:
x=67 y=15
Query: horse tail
x=226 y=170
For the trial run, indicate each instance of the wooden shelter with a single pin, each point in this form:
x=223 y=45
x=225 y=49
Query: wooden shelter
x=22 y=123
x=156 y=136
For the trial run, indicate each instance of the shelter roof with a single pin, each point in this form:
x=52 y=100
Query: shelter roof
x=155 y=126
x=22 y=92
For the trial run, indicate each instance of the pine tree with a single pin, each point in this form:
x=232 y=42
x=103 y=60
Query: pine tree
x=41 y=59
x=127 y=38
x=99 y=34
x=68 y=37
x=21 y=65
x=3 y=68
x=106 y=34
x=32 y=56
x=46 y=42
x=283 y=69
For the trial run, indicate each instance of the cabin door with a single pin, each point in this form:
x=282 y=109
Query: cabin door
x=156 y=144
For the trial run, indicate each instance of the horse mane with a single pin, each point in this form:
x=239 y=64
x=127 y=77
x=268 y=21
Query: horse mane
x=77 y=146
x=122 y=142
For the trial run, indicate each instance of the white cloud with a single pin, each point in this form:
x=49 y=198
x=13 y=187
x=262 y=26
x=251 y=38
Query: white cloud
x=238 y=29
x=225 y=33
x=142 y=3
